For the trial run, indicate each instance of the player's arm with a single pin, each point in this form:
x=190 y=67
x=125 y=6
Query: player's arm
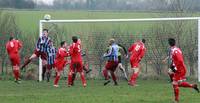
x=38 y=44
x=132 y=47
x=142 y=52
x=108 y=53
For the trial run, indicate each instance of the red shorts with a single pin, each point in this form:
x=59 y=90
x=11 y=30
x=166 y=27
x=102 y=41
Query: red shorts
x=60 y=65
x=111 y=65
x=134 y=63
x=15 y=60
x=42 y=54
x=180 y=75
x=76 y=67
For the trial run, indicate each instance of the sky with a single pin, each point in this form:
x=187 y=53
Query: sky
x=49 y=2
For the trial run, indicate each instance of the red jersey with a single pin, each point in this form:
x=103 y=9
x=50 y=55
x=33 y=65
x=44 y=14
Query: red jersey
x=75 y=52
x=61 y=59
x=137 y=51
x=177 y=59
x=13 y=47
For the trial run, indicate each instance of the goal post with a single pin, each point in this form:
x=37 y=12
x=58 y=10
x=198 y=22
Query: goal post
x=41 y=22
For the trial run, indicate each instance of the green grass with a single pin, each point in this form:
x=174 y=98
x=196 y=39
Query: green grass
x=147 y=92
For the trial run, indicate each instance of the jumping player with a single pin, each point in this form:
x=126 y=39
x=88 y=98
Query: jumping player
x=41 y=48
x=51 y=55
x=179 y=79
x=60 y=61
x=13 y=46
x=112 y=62
x=76 y=64
x=137 y=51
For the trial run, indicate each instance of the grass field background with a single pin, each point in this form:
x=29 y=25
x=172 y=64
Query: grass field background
x=42 y=92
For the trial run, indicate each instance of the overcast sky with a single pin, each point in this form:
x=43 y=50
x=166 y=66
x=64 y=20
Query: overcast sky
x=50 y=2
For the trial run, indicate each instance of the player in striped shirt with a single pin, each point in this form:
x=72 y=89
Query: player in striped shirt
x=51 y=55
x=40 y=49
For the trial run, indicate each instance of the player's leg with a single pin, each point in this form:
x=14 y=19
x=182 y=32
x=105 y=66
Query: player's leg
x=134 y=76
x=79 y=68
x=105 y=72
x=49 y=67
x=123 y=70
x=15 y=60
x=176 y=90
x=73 y=78
x=27 y=61
x=171 y=74
x=58 y=73
x=70 y=74
x=114 y=78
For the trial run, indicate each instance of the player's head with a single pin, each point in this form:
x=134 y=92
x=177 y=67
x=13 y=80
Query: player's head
x=63 y=44
x=111 y=41
x=74 y=39
x=45 y=32
x=11 y=38
x=143 y=40
x=172 y=41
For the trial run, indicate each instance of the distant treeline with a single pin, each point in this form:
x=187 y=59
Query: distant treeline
x=143 y=5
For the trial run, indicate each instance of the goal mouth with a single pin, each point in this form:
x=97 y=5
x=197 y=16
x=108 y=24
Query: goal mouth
x=156 y=31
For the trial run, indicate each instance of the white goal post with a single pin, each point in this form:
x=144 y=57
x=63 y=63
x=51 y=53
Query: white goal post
x=121 y=20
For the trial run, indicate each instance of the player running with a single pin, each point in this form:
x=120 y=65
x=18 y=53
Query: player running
x=137 y=51
x=41 y=48
x=60 y=61
x=13 y=47
x=76 y=64
x=112 y=62
x=179 y=79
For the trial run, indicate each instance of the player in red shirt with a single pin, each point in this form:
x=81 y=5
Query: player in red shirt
x=60 y=61
x=179 y=79
x=13 y=46
x=137 y=51
x=76 y=64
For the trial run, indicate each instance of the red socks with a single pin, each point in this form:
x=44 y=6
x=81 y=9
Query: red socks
x=105 y=74
x=56 y=80
x=83 y=78
x=176 y=92
x=113 y=76
x=16 y=74
x=70 y=78
x=185 y=84
x=133 y=78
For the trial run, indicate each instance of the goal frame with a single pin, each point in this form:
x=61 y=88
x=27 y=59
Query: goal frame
x=41 y=22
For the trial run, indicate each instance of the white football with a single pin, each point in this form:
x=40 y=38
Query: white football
x=47 y=17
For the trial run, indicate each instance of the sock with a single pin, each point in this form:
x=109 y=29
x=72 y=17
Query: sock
x=133 y=78
x=56 y=80
x=73 y=78
x=83 y=78
x=16 y=74
x=70 y=78
x=26 y=63
x=113 y=76
x=48 y=76
x=171 y=75
x=105 y=73
x=176 y=92
x=185 y=84
x=43 y=72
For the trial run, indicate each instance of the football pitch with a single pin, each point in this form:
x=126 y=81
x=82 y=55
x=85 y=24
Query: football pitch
x=147 y=91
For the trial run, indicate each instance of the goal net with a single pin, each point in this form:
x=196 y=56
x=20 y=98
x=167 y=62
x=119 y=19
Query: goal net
x=95 y=34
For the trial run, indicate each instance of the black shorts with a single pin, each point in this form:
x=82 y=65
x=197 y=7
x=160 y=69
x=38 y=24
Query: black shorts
x=119 y=59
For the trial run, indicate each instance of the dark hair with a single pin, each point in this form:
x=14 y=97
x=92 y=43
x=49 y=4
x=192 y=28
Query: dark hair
x=46 y=30
x=11 y=38
x=143 y=40
x=171 y=41
x=74 y=39
x=62 y=43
